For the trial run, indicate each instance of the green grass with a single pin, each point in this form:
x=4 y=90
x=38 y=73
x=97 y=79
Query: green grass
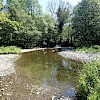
x=91 y=49
x=10 y=50
x=89 y=81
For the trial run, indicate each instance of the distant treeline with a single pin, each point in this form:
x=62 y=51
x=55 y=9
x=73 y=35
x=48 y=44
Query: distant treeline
x=23 y=24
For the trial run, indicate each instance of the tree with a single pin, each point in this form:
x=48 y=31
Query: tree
x=46 y=25
x=7 y=27
x=86 y=23
x=61 y=10
x=25 y=12
x=23 y=24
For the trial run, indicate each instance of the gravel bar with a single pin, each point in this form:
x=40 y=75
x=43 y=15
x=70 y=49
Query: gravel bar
x=7 y=64
x=80 y=56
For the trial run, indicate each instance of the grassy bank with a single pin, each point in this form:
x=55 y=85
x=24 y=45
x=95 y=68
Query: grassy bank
x=89 y=82
x=10 y=50
x=91 y=49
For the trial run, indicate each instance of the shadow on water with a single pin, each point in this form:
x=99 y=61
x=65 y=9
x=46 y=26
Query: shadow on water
x=42 y=74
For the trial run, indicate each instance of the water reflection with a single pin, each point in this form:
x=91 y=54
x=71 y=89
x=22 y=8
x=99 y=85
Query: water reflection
x=70 y=92
x=48 y=68
x=41 y=74
x=66 y=64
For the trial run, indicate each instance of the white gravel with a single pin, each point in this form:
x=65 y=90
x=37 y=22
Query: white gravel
x=29 y=50
x=83 y=57
x=7 y=64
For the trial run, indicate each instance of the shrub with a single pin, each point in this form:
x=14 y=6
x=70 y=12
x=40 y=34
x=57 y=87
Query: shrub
x=89 y=82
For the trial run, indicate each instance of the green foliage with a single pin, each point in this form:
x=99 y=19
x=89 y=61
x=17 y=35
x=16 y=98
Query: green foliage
x=60 y=10
x=63 y=14
x=86 y=23
x=7 y=28
x=66 y=34
x=10 y=50
x=46 y=25
x=91 y=49
x=24 y=25
x=89 y=83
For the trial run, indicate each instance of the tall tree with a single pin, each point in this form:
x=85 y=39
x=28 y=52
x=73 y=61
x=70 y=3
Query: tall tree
x=17 y=22
x=60 y=10
x=86 y=22
x=46 y=25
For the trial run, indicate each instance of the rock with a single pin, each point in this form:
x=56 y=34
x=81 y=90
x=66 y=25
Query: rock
x=53 y=97
x=7 y=94
x=41 y=88
x=65 y=98
x=0 y=95
x=2 y=90
x=10 y=82
x=6 y=85
x=38 y=93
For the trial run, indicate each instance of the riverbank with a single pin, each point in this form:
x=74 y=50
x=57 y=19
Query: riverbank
x=7 y=64
x=29 y=50
x=7 y=61
x=80 y=56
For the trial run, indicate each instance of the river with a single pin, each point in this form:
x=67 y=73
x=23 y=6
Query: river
x=41 y=75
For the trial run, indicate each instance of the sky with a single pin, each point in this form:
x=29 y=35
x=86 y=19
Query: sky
x=44 y=2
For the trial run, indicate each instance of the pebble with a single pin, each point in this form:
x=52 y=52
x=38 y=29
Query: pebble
x=53 y=97
x=10 y=82
x=8 y=94
x=2 y=90
x=38 y=93
x=6 y=85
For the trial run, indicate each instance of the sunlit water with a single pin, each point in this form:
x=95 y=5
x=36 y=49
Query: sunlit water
x=40 y=75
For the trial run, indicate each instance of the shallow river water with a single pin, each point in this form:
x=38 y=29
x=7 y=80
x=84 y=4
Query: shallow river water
x=41 y=75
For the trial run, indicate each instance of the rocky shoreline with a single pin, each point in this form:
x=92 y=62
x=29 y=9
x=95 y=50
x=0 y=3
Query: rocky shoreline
x=7 y=64
x=80 y=56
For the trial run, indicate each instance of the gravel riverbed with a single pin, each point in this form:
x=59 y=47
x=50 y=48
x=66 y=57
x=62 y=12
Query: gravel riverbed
x=7 y=64
x=80 y=56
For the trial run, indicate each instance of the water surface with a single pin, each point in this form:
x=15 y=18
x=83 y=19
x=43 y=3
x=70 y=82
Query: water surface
x=41 y=75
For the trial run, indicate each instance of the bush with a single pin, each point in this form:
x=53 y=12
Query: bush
x=9 y=50
x=89 y=82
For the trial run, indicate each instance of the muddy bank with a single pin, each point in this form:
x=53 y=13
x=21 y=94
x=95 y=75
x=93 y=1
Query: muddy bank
x=7 y=64
x=83 y=57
